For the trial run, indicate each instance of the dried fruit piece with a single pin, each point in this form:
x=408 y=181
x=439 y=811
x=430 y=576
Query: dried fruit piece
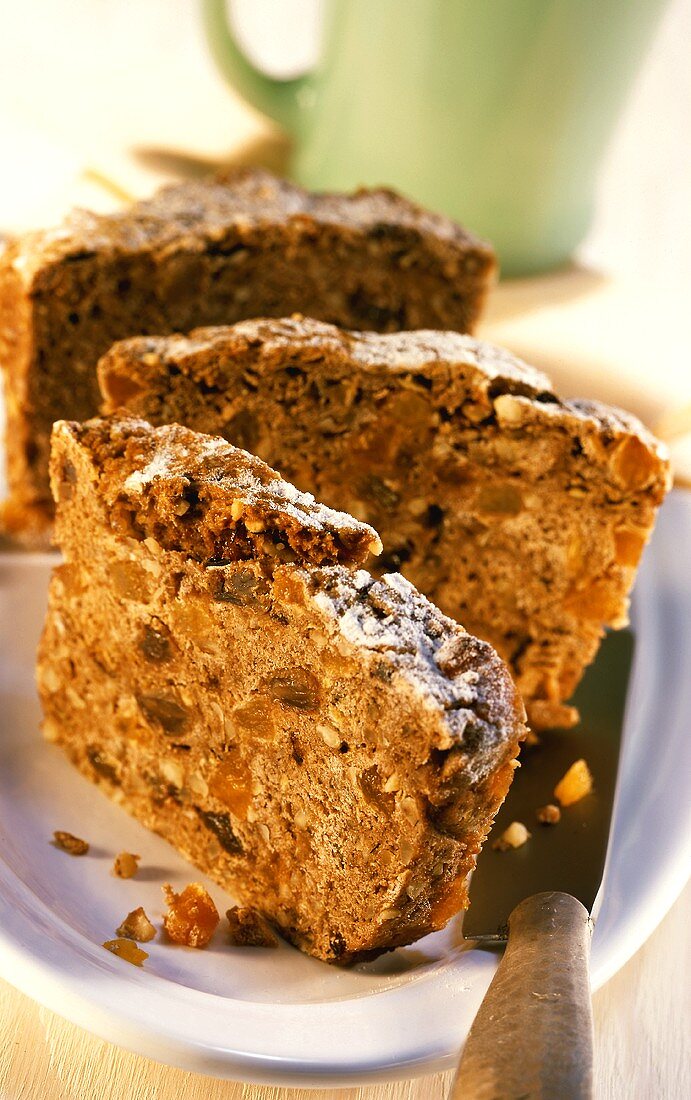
x=102 y=765
x=126 y=865
x=137 y=926
x=169 y=714
x=575 y=784
x=373 y=792
x=243 y=588
x=500 y=500
x=514 y=837
x=549 y=814
x=192 y=917
x=634 y=463
x=595 y=600
x=154 y=643
x=127 y=950
x=295 y=687
x=130 y=581
x=222 y=828
x=247 y=928
x=255 y=716
x=231 y=783
x=68 y=479
x=629 y=544
x=66 y=842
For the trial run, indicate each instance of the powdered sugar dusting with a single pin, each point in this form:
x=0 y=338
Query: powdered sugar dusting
x=159 y=466
x=389 y=617
x=171 y=464
x=400 y=353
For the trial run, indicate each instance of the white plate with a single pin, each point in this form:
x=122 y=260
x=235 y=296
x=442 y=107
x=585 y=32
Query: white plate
x=277 y=1016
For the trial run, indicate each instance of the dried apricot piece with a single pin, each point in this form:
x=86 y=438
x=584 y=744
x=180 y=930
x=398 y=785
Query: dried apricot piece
x=231 y=783
x=192 y=917
x=575 y=784
x=127 y=950
x=629 y=544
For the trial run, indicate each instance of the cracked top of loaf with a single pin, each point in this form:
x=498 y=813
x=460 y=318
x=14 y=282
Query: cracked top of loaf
x=244 y=200
x=514 y=392
x=200 y=495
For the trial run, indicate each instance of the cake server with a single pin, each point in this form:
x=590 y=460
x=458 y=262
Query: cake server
x=532 y=1036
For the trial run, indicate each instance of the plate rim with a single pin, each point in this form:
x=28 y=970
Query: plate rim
x=618 y=935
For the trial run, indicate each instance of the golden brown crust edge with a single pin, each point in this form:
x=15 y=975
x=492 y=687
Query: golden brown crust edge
x=424 y=797
x=479 y=432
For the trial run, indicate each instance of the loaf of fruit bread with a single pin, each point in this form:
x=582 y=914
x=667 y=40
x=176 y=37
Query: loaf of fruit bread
x=327 y=746
x=519 y=514
x=204 y=253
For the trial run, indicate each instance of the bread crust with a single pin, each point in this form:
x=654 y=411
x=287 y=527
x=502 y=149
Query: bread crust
x=209 y=252
x=327 y=746
x=518 y=513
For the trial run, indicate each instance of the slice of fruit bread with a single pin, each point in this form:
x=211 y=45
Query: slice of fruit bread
x=327 y=746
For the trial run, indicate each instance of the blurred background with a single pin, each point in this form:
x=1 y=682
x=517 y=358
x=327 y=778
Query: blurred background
x=89 y=83
x=103 y=100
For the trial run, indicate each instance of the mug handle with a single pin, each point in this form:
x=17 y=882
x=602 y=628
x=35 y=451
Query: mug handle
x=279 y=99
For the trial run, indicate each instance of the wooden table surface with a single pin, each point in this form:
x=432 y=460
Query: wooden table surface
x=626 y=339
x=641 y=1045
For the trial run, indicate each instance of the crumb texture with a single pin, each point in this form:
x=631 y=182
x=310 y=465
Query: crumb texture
x=328 y=747
x=201 y=494
x=521 y=515
x=203 y=253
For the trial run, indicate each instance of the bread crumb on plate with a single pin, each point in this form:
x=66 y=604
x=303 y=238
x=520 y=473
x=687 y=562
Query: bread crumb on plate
x=515 y=836
x=73 y=845
x=549 y=814
x=137 y=926
x=126 y=865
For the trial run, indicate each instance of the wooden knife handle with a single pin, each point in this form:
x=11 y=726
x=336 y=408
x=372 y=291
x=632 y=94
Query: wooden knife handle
x=533 y=1035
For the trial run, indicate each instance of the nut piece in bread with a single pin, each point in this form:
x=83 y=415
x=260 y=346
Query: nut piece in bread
x=201 y=253
x=327 y=746
x=520 y=515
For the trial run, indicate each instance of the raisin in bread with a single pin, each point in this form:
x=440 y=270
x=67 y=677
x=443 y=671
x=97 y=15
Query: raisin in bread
x=327 y=746
x=519 y=514
x=200 y=253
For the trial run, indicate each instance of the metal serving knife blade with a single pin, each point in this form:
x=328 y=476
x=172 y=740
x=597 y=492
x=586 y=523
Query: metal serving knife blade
x=532 y=1036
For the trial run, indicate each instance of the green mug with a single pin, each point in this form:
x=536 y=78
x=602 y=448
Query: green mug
x=495 y=112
